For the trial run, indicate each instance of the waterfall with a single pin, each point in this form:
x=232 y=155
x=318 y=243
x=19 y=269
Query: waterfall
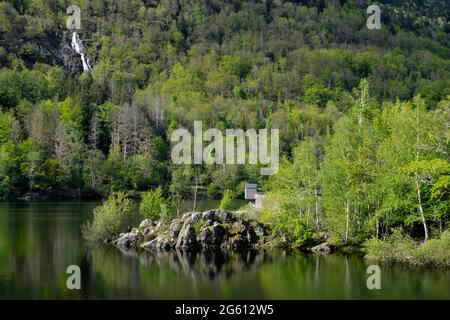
x=77 y=45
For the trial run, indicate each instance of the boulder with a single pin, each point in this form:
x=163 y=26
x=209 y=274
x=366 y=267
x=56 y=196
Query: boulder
x=146 y=223
x=237 y=227
x=237 y=241
x=129 y=240
x=161 y=242
x=187 y=238
x=135 y=230
x=212 y=236
x=175 y=228
x=222 y=216
x=215 y=216
x=259 y=231
x=239 y=236
x=149 y=234
x=195 y=217
x=323 y=248
x=186 y=215
x=209 y=215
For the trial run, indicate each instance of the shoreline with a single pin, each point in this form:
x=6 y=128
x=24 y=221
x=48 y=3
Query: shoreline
x=224 y=230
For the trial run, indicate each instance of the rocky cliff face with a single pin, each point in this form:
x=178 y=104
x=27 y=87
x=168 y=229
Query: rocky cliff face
x=68 y=55
x=199 y=230
x=79 y=48
x=53 y=47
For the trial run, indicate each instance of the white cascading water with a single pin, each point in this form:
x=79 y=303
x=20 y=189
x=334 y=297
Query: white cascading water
x=79 y=48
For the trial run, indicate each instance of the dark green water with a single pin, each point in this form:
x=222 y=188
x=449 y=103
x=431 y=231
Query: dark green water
x=38 y=241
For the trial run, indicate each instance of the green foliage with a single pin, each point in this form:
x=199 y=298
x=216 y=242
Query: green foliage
x=236 y=65
x=94 y=173
x=181 y=177
x=109 y=217
x=198 y=226
x=31 y=85
x=154 y=205
x=435 y=251
x=226 y=202
x=353 y=163
x=397 y=247
x=365 y=178
x=288 y=228
x=213 y=190
x=292 y=208
x=401 y=248
x=314 y=92
x=6 y=127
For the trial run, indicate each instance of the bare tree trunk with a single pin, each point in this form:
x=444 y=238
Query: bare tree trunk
x=308 y=214
x=195 y=190
x=386 y=231
x=363 y=106
x=159 y=112
x=93 y=180
x=347 y=223
x=419 y=197
x=419 y=201
x=61 y=145
x=95 y=131
x=317 y=209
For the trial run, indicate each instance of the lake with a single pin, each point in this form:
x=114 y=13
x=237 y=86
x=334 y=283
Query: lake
x=38 y=241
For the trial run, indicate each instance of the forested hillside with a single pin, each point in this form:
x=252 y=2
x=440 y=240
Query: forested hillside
x=363 y=114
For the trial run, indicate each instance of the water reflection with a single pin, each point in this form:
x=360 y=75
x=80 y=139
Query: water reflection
x=118 y=267
x=206 y=264
x=39 y=241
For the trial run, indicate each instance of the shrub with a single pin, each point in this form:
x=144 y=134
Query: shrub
x=435 y=251
x=212 y=191
x=377 y=249
x=397 y=247
x=109 y=217
x=155 y=206
x=401 y=248
x=288 y=228
x=226 y=202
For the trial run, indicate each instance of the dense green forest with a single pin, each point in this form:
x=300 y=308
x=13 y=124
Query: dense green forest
x=363 y=114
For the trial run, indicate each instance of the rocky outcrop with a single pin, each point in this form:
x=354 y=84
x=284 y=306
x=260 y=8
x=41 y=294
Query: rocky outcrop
x=212 y=236
x=146 y=223
x=161 y=242
x=187 y=238
x=199 y=230
x=129 y=240
x=323 y=248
